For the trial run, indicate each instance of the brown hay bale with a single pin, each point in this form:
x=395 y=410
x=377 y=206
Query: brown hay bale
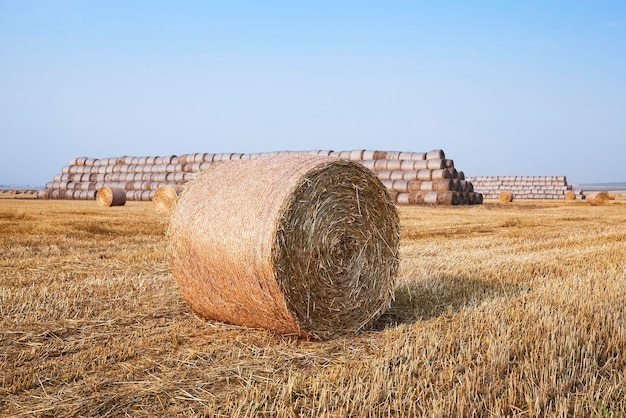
x=384 y=174
x=598 y=198
x=394 y=165
x=165 y=197
x=424 y=175
x=412 y=198
x=435 y=154
x=570 y=195
x=297 y=244
x=505 y=197
x=611 y=195
x=369 y=164
x=110 y=196
x=435 y=164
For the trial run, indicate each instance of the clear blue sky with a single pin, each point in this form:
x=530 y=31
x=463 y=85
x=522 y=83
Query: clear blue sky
x=503 y=87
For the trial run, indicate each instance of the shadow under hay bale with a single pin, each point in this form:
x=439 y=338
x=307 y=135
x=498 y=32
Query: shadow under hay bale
x=298 y=244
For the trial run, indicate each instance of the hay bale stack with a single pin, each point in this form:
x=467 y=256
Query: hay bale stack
x=314 y=252
x=505 y=197
x=522 y=187
x=598 y=198
x=420 y=171
x=107 y=196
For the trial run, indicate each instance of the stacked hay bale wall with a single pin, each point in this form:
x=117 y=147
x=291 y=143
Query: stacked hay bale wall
x=410 y=177
x=522 y=187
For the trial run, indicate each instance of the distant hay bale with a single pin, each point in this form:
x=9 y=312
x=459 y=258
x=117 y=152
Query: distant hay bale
x=165 y=197
x=570 y=195
x=598 y=198
x=505 y=197
x=611 y=195
x=435 y=154
x=109 y=196
x=298 y=244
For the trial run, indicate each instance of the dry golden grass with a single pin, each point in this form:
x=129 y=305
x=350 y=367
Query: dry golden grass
x=516 y=309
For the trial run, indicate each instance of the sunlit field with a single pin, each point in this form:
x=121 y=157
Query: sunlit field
x=500 y=310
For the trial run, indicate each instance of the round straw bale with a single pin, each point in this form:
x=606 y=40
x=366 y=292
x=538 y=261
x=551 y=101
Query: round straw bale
x=401 y=186
x=380 y=155
x=598 y=198
x=298 y=244
x=435 y=154
x=407 y=164
x=505 y=197
x=412 y=198
x=435 y=164
x=380 y=165
x=344 y=154
x=414 y=185
x=431 y=198
x=356 y=155
x=424 y=175
x=396 y=175
x=409 y=174
x=611 y=195
x=368 y=155
x=570 y=195
x=165 y=196
x=394 y=165
x=369 y=164
x=108 y=196
x=384 y=174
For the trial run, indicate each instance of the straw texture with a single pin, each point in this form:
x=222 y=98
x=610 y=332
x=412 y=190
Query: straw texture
x=598 y=198
x=314 y=253
x=505 y=197
x=165 y=197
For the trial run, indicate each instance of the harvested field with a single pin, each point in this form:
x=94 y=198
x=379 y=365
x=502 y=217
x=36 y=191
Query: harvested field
x=516 y=309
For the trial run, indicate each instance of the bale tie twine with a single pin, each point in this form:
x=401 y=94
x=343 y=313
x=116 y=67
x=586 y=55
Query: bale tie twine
x=298 y=244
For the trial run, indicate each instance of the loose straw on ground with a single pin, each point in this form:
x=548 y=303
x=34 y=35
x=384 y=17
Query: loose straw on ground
x=107 y=196
x=298 y=244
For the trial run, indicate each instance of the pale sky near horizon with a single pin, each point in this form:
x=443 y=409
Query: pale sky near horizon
x=503 y=87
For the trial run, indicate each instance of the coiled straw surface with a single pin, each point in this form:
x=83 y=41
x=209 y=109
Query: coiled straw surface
x=298 y=244
x=109 y=196
x=598 y=198
x=165 y=197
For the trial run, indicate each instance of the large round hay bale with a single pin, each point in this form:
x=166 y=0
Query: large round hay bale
x=298 y=244
x=165 y=197
x=598 y=198
x=108 y=196
x=570 y=195
x=505 y=197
